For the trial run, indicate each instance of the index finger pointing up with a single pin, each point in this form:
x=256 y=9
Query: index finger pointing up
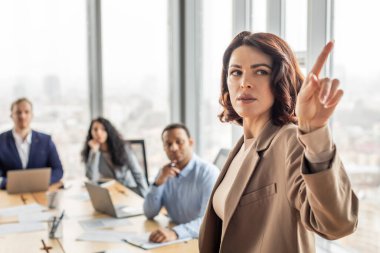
x=322 y=58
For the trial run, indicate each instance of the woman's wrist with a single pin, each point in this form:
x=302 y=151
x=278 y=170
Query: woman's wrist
x=94 y=151
x=158 y=182
x=305 y=127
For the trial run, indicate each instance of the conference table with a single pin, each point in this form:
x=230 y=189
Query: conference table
x=78 y=208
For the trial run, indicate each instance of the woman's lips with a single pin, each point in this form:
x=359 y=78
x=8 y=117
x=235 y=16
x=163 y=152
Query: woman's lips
x=245 y=98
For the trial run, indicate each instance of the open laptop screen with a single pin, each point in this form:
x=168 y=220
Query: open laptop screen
x=28 y=180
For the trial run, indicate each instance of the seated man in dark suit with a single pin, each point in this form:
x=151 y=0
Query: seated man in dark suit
x=23 y=148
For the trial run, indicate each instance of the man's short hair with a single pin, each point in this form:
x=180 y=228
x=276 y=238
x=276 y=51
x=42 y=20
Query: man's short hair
x=19 y=101
x=175 y=126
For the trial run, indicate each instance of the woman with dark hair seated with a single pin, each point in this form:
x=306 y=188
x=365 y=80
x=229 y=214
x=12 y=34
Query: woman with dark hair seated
x=107 y=156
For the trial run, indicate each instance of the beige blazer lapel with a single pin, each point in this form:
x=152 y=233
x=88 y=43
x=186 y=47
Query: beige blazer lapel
x=246 y=170
x=243 y=177
x=212 y=224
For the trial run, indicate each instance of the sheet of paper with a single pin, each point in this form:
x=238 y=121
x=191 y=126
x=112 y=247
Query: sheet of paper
x=107 y=183
x=21 y=227
x=34 y=217
x=130 y=209
x=103 y=236
x=142 y=240
x=104 y=223
x=83 y=196
x=14 y=211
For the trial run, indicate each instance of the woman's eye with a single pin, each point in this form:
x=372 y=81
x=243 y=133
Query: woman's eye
x=262 y=72
x=235 y=73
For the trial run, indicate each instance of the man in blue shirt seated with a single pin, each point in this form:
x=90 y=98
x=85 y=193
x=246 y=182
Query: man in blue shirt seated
x=183 y=187
x=23 y=148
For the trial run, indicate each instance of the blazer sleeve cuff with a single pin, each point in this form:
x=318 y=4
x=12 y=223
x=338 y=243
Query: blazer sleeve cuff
x=318 y=145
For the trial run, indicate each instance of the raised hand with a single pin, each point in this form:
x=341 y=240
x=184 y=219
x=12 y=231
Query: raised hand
x=317 y=98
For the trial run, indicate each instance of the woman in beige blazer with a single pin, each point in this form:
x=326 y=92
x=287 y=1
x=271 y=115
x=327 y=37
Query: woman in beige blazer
x=283 y=181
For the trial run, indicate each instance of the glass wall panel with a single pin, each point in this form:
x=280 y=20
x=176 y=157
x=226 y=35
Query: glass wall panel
x=135 y=71
x=216 y=35
x=44 y=58
x=356 y=125
x=259 y=15
x=296 y=29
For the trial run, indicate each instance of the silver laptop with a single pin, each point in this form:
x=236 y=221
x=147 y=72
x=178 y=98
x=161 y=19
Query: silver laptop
x=28 y=180
x=102 y=202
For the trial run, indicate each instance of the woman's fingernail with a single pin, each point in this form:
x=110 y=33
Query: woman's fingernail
x=323 y=99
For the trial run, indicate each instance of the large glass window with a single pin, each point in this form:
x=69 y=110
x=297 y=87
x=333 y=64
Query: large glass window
x=43 y=57
x=135 y=71
x=295 y=17
x=296 y=29
x=356 y=123
x=216 y=35
x=258 y=16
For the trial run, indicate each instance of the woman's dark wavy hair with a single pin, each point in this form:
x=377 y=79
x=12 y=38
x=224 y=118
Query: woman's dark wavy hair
x=114 y=141
x=286 y=77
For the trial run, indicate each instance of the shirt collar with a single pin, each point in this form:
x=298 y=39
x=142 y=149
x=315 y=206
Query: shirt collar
x=18 y=138
x=189 y=166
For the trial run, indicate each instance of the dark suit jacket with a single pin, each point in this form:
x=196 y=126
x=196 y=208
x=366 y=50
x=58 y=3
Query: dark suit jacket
x=42 y=154
x=276 y=206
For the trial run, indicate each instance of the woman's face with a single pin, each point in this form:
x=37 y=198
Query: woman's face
x=98 y=132
x=248 y=80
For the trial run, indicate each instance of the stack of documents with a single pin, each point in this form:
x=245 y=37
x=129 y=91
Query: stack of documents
x=93 y=224
x=35 y=217
x=103 y=236
x=15 y=211
x=21 y=227
x=30 y=218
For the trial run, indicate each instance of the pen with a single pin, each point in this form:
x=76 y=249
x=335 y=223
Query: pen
x=55 y=226
x=51 y=234
x=63 y=213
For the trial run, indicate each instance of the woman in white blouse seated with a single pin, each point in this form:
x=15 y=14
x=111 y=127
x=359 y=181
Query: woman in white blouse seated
x=107 y=156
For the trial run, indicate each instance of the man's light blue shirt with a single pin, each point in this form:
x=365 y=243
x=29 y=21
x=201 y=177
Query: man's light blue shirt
x=185 y=197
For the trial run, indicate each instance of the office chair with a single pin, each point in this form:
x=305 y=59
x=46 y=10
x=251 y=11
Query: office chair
x=221 y=158
x=138 y=148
